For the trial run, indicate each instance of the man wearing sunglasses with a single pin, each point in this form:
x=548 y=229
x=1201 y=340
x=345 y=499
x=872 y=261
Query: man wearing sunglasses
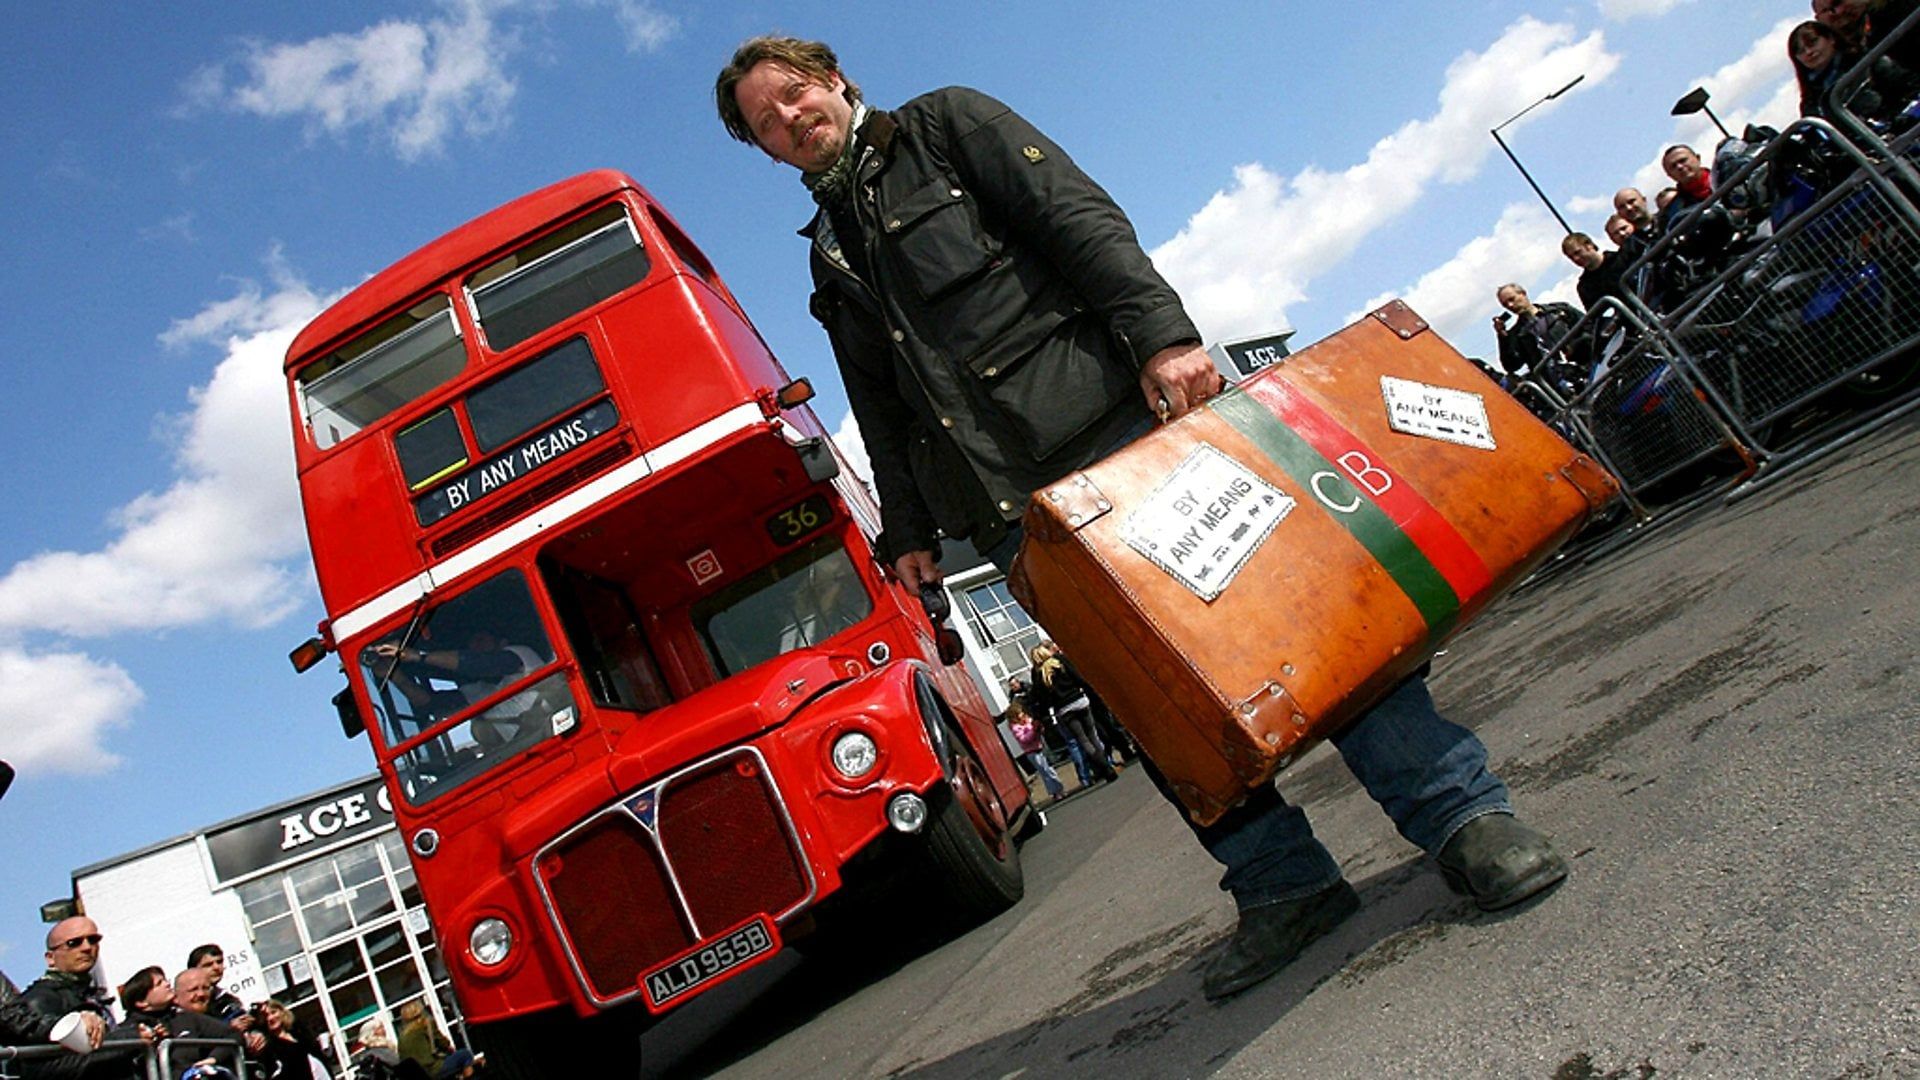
x=73 y=948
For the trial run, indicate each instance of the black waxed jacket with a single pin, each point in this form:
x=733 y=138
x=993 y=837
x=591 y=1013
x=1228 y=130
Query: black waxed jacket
x=21 y=1023
x=999 y=345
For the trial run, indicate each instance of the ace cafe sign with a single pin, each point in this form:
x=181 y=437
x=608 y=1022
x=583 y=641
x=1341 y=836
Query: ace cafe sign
x=292 y=832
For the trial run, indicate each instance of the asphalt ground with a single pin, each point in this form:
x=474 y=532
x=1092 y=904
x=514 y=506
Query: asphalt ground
x=1718 y=724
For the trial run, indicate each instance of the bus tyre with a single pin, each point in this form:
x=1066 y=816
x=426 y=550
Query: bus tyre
x=970 y=841
x=556 y=1043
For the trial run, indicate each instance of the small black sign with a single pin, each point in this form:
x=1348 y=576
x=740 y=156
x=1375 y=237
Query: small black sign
x=1249 y=356
x=516 y=462
x=257 y=844
x=808 y=516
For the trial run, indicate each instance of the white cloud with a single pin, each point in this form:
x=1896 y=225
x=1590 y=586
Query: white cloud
x=1254 y=249
x=854 y=448
x=1622 y=10
x=413 y=84
x=57 y=708
x=1757 y=88
x=218 y=542
x=1457 y=296
x=648 y=28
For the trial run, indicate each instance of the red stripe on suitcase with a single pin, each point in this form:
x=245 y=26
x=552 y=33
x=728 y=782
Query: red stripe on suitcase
x=1436 y=537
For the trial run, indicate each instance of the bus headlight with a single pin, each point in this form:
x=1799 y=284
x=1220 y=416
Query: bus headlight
x=490 y=941
x=854 y=754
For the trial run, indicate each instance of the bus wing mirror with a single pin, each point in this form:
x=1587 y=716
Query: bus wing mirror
x=817 y=458
x=350 y=720
x=307 y=653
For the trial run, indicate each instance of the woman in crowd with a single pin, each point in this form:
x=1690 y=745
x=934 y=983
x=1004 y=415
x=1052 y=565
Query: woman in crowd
x=1032 y=747
x=286 y=1056
x=1058 y=689
x=1819 y=60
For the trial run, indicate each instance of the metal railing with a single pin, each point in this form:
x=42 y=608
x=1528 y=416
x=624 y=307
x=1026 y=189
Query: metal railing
x=1755 y=338
x=152 y=1062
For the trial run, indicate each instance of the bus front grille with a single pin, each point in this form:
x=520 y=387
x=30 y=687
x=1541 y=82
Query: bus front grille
x=686 y=858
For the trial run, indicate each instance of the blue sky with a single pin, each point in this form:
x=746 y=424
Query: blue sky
x=185 y=186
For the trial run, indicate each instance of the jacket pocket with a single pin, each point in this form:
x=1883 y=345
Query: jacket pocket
x=1060 y=387
x=935 y=239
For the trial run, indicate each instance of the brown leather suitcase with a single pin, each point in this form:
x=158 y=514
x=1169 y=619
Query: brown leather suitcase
x=1243 y=581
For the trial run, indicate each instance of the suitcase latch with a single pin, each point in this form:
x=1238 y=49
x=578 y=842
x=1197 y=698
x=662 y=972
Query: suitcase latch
x=1078 y=501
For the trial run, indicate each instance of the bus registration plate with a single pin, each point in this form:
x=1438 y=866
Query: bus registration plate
x=710 y=962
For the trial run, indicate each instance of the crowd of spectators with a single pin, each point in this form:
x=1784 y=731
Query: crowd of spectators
x=77 y=1028
x=1698 y=244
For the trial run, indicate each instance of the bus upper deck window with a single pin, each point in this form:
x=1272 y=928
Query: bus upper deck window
x=558 y=275
x=380 y=371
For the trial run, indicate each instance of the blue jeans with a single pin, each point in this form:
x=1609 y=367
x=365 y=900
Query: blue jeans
x=1427 y=773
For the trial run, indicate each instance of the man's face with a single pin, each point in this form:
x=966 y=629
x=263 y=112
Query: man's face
x=1682 y=165
x=193 y=990
x=73 y=945
x=1585 y=256
x=1618 y=229
x=1839 y=14
x=795 y=118
x=1631 y=204
x=1515 y=300
x=215 y=965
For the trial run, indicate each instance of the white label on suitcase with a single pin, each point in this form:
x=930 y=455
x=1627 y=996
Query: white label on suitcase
x=1205 y=521
x=1455 y=416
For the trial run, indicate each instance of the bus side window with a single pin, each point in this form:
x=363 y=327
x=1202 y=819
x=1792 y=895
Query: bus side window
x=604 y=629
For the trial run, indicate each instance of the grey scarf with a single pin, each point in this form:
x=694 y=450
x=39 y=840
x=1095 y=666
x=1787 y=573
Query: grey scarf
x=834 y=182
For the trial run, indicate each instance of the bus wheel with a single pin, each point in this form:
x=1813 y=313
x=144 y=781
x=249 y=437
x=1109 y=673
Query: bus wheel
x=558 y=1043
x=970 y=839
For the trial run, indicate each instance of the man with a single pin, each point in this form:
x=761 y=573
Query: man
x=20 y=1023
x=193 y=991
x=952 y=228
x=1619 y=230
x=1860 y=25
x=1600 y=271
x=73 y=950
x=211 y=961
x=1629 y=203
x=1526 y=345
x=1692 y=181
x=148 y=998
x=484 y=667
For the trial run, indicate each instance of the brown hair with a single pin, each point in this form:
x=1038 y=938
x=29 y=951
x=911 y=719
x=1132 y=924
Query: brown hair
x=814 y=59
x=1574 y=240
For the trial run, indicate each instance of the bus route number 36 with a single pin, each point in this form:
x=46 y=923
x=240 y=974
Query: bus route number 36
x=705 y=963
x=807 y=516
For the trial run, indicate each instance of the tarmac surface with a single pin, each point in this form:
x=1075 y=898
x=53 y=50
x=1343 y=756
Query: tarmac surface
x=1717 y=723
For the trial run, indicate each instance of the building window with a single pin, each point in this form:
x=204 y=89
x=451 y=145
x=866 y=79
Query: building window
x=1004 y=625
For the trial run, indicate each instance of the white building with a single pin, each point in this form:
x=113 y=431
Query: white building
x=313 y=900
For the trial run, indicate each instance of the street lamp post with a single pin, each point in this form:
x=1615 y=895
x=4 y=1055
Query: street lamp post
x=1516 y=161
x=1696 y=101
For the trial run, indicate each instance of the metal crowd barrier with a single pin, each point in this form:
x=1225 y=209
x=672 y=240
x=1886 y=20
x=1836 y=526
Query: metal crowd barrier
x=1824 y=302
x=1645 y=415
x=1740 y=366
x=156 y=1062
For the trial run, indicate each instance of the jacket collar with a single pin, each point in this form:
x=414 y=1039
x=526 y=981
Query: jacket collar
x=877 y=135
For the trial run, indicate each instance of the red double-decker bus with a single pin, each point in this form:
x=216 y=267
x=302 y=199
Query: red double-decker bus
x=611 y=616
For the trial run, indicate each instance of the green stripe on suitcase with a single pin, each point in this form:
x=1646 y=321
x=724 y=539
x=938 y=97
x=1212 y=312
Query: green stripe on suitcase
x=1391 y=547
